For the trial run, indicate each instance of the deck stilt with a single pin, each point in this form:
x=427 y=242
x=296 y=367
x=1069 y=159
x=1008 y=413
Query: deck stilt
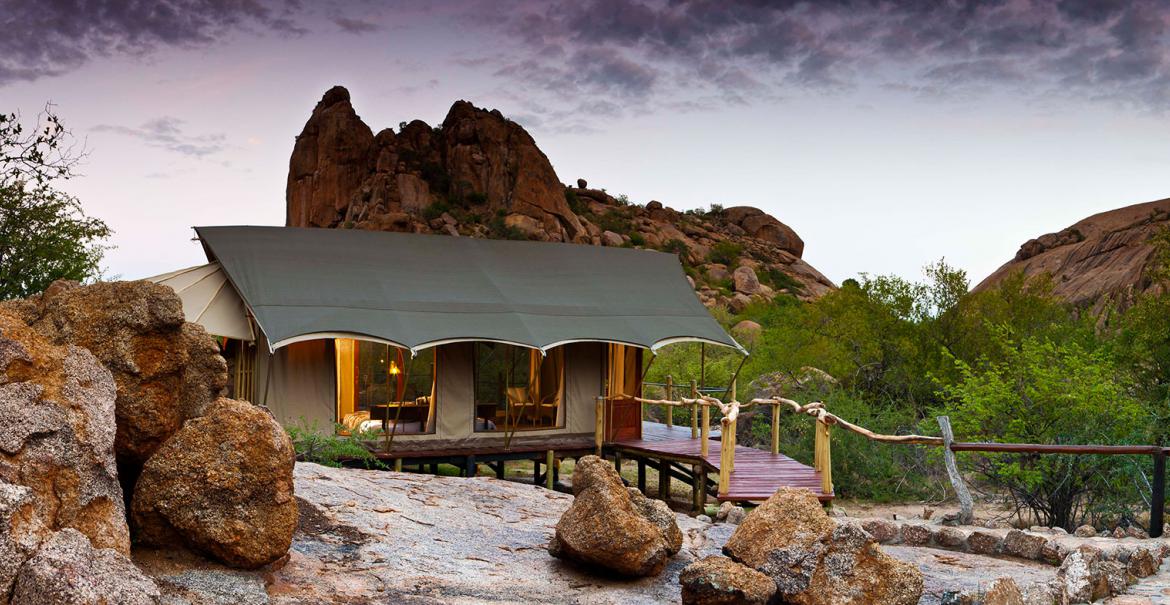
x=549 y=462
x=698 y=490
x=664 y=480
x=642 y=475
x=469 y=467
x=536 y=472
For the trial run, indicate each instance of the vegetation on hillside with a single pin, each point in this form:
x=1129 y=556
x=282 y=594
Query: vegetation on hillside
x=1012 y=364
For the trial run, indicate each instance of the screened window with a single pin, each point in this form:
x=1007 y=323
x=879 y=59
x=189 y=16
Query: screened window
x=381 y=388
x=517 y=388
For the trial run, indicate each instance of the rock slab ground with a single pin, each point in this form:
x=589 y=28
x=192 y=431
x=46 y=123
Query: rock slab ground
x=384 y=537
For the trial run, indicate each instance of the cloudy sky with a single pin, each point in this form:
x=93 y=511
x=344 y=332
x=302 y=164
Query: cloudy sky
x=888 y=134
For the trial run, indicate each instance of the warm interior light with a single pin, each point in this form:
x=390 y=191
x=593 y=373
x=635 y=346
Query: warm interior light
x=394 y=371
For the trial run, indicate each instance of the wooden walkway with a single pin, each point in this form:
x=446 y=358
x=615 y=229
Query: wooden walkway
x=757 y=475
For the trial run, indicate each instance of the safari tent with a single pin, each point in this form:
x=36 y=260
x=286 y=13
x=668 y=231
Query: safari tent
x=441 y=342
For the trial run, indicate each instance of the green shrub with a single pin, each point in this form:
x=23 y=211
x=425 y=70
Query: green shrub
x=500 y=229
x=677 y=246
x=331 y=448
x=779 y=280
x=637 y=239
x=725 y=252
x=475 y=198
x=574 y=202
x=436 y=209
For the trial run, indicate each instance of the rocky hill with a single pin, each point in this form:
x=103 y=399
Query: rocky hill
x=479 y=174
x=1102 y=258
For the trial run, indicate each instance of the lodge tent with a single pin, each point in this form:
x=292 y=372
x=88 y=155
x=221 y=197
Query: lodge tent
x=294 y=294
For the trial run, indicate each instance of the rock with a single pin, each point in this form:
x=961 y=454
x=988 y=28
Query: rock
x=950 y=537
x=1103 y=257
x=1119 y=533
x=166 y=370
x=1003 y=591
x=1053 y=552
x=1085 y=531
x=724 y=508
x=21 y=532
x=57 y=438
x=68 y=570
x=703 y=519
x=609 y=238
x=1023 y=545
x=1115 y=576
x=330 y=159
x=984 y=543
x=760 y=225
x=738 y=302
x=658 y=513
x=720 y=581
x=582 y=184
x=736 y=515
x=745 y=280
x=717 y=272
x=1134 y=531
x=221 y=485
x=916 y=534
x=1142 y=563
x=885 y=532
x=1080 y=576
x=603 y=528
x=814 y=559
x=527 y=225
x=747 y=329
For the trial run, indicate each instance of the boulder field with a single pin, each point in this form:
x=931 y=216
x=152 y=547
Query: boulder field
x=96 y=383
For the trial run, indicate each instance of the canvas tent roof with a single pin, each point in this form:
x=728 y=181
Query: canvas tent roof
x=418 y=291
x=209 y=300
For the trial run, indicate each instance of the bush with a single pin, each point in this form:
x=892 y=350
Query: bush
x=331 y=449
x=637 y=239
x=779 y=280
x=725 y=253
x=500 y=229
x=574 y=202
x=435 y=210
x=677 y=246
x=1045 y=392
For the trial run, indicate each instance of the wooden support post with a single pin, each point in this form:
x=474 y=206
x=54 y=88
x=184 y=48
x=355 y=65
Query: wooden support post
x=698 y=488
x=470 y=467
x=704 y=430
x=724 y=457
x=966 y=504
x=664 y=479
x=694 y=411
x=775 y=429
x=669 y=397
x=536 y=472
x=398 y=465
x=617 y=462
x=550 y=462
x=642 y=475
x=1158 y=498
x=500 y=469
x=731 y=449
x=434 y=468
x=599 y=429
x=556 y=473
x=733 y=381
x=827 y=473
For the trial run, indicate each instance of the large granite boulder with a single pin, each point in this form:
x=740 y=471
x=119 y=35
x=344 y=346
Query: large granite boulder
x=21 y=532
x=166 y=370
x=57 y=437
x=658 y=513
x=221 y=485
x=1099 y=262
x=720 y=581
x=816 y=561
x=68 y=570
x=603 y=528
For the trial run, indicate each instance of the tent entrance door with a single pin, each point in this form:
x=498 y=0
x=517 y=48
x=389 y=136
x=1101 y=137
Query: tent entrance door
x=624 y=382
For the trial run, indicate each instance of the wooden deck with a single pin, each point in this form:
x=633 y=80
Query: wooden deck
x=757 y=475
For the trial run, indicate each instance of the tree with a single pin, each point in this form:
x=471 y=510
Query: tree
x=44 y=233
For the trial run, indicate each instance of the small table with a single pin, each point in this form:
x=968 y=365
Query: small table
x=401 y=411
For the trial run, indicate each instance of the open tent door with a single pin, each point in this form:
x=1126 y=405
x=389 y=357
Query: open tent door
x=623 y=383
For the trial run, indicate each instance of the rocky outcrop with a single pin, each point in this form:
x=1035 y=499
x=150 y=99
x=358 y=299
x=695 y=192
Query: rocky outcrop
x=815 y=560
x=1102 y=258
x=57 y=440
x=721 y=581
x=166 y=370
x=68 y=570
x=21 y=532
x=604 y=529
x=479 y=174
x=221 y=485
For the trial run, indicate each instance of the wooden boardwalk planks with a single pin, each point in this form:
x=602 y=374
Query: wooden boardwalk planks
x=757 y=475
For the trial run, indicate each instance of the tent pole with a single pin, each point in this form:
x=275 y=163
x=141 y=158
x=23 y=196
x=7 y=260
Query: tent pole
x=702 y=366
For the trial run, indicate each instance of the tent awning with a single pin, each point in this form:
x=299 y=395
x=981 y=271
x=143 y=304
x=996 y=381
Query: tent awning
x=209 y=300
x=419 y=291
